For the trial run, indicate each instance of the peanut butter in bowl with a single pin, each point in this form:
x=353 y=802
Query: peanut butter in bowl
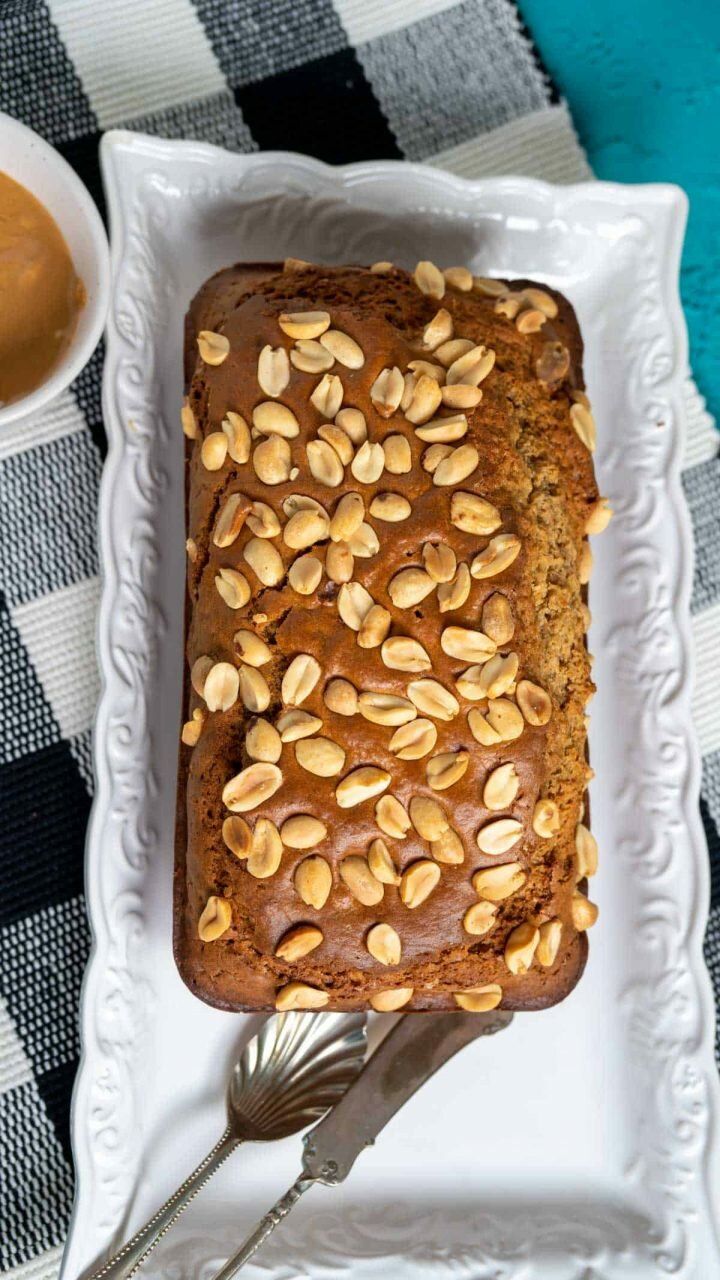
x=41 y=294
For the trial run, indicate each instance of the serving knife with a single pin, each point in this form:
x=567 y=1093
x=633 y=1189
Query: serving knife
x=415 y=1048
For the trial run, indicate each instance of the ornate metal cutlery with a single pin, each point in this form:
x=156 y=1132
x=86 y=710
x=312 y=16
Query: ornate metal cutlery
x=413 y=1051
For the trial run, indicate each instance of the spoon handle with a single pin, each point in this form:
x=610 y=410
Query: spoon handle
x=127 y=1260
x=264 y=1228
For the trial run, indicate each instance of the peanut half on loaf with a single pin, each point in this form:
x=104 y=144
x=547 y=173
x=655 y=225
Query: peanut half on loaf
x=383 y=762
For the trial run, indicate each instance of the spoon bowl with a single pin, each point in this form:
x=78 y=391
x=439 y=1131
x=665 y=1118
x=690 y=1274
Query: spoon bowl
x=292 y=1071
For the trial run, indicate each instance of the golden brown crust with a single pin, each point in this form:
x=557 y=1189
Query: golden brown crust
x=536 y=471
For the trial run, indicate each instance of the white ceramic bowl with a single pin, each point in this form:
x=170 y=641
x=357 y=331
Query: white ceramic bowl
x=33 y=162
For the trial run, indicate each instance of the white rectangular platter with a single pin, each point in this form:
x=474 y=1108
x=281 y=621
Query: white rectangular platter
x=579 y=1143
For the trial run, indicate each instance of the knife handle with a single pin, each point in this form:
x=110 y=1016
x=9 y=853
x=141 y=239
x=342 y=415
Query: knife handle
x=264 y=1228
x=415 y=1048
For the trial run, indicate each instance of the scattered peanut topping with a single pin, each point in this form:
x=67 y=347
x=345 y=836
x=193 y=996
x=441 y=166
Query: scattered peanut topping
x=352 y=422
x=273 y=370
x=251 y=787
x=457 y=466
x=461 y=396
x=413 y=740
x=221 y=687
x=266 y=852
x=387 y=390
x=432 y=699
x=499 y=554
x=409 y=587
x=273 y=419
x=313 y=881
x=599 y=516
x=341 y=697
x=501 y=787
x=343 y=348
x=448 y=848
x=302 y=831
x=472 y=367
x=391 y=507
x=356 y=874
x=521 y=946
x=354 y=603
x=300 y=679
x=586 y=850
x=459 y=278
x=479 y=918
x=466 y=644
x=298 y=942
x=328 y=395
x=234 y=587
x=439 y=330
x=392 y=818
x=188 y=420
x=304 y=324
x=310 y=357
x=453 y=595
x=489 y=287
x=362 y=784
x=499 y=836
x=546 y=819
x=429 y=280
x=272 y=460
x=530 y=321
x=584 y=912
x=213 y=450
x=473 y=514
x=339 y=440
x=584 y=425
x=496 y=618
x=553 y=363
x=425 y=399
x=534 y=702
x=298 y=995
x=213 y=347
x=418 y=882
x=443 y=430
x=428 y=817
x=231 y=519
x=479 y=999
x=445 y=769
x=497 y=883
x=392 y=1000
x=381 y=863
x=324 y=463
x=192 y=728
x=215 y=920
x=368 y=463
x=320 y=756
x=237 y=836
x=295 y=724
x=263 y=742
x=401 y=653
x=549 y=944
x=383 y=943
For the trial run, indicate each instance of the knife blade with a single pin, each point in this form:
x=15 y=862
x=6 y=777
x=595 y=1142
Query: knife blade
x=415 y=1048
x=409 y=1055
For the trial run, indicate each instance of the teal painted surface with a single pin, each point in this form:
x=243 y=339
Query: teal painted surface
x=642 y=80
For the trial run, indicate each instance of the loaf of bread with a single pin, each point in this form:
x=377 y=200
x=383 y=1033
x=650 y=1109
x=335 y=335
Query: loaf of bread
x=383 y=764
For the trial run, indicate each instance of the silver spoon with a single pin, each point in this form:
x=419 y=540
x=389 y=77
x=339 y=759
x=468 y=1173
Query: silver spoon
x=290 y=1073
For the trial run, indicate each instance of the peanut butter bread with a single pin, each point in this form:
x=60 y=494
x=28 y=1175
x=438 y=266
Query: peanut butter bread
x=383 y=765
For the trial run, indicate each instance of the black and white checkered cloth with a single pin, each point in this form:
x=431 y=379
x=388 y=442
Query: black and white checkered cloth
x=456 y=83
